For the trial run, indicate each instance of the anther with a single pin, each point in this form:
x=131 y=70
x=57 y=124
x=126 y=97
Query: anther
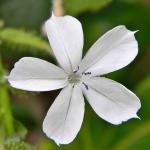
x=86 y=73
x=78 y=67
x=76 y=70
x=86 y=86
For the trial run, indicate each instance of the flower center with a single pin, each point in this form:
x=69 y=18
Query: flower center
x=74 y=78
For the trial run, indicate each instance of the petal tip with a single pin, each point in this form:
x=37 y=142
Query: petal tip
x=137 y=117
x=135 y=31
x=6 y=77
x=52 y=15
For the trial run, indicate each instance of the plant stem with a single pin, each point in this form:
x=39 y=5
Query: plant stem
x=5 y=104
x=57 y=7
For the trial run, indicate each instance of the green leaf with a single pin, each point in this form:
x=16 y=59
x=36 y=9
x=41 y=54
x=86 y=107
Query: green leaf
x=143 y=91
x=134 y=137
x=28 y=14
x=6 y=111
x=75 y=7
x=1 y=23
x=20 y=130
x=1 y=72
x=5 y=108
x=24 y=113
x=2 y=133
x=15 y=143
x=140 y=70
x=15 y=44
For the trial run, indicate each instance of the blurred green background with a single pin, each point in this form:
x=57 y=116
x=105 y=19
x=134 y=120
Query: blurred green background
x=22 y=113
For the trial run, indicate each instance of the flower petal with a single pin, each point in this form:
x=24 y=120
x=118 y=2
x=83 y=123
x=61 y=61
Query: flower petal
x=111 y=100
x=114 y=50
x=34 y=74
x=66 y=39
x=64 y=118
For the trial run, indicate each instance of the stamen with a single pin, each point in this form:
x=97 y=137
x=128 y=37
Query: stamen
x=76 y=70
x=86 y=86
x=86 y=73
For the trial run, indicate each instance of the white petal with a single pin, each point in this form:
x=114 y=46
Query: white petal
x=114 y=50
x=66 y=39
x=34 y=74
x=64 y=118
x=111 y=100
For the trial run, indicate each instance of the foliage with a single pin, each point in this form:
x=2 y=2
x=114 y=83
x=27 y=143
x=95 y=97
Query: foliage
x=17 y=144
x=24 y=14
x=76 y=7
x=22 y=43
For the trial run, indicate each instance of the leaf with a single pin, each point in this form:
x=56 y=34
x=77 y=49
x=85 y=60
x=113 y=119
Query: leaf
x=74 y=7
x=15 y=44
x=20 y=130
x=134 y=137
x=23 y=113
x=143 y=91
x=143 y=88
x=2 y=133
x=5 y=108
x=1 y=23
x=28 y=14
x=6 y=111
x=15 y=143
x=1 y=72
x=140 y=70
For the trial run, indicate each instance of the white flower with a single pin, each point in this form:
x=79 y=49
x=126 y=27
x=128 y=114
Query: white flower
x=109 y=99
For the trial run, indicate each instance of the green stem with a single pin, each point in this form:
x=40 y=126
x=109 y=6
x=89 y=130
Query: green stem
x=5 y=104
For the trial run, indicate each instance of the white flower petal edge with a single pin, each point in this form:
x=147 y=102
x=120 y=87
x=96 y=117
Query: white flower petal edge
x=66 y=39
x=110 y=100
x=113 y=51
x=64 y=119
x=34 y=74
